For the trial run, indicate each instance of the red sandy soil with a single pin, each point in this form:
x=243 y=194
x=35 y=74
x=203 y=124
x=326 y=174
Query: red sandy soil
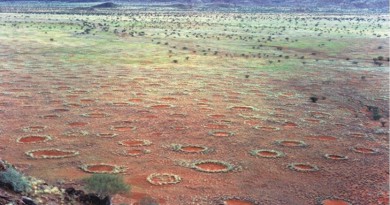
x=183 y=106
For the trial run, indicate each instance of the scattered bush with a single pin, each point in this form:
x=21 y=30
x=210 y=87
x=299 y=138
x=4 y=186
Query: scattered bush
x=106 y=184
x=14 y=180
x=313 y=99
x=375 y=113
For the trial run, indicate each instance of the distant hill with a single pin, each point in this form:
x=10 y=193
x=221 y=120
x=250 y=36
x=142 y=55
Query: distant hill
x=105 y=5
x=340 y=4
x=379 y=4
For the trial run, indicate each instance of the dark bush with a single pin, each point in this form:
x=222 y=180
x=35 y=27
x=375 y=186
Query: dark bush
x=313 y=99
x=13 y=179
x=106 y=184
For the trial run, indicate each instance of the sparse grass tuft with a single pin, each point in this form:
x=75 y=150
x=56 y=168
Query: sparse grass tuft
x=106 y=184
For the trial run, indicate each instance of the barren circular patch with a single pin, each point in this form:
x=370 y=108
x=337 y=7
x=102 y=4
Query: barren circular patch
x=267 y=128
x=51 y=153
x=179 y=127
x=322 y=138
x=335 y=157
x=120 y=104
x=50 y=116
x=102 y=168
x=134 y=152
x=123 y=128
x=34 y=139
x=212 y=166
x=189 y=148
x=220 y=133
x=34 y=128
x=303 y=167
x=216 y=116
x=365 y=150
x=75 y=133
x=334 y=201
x=163 y=178
x=95 y=115
x=77 y=124
x=161 y=106
x=319 y=115
x=357 y=135
x=291 y=143
x=61 y=110
x=290 y=125
x=135 y=100
x=135 y=143
x=106 y=135
x=237 y=202
x=241 y=108
x=267 y=153
x=216 y=126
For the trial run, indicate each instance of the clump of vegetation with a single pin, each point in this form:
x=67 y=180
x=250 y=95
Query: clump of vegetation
x=14 y=180
x=314 y=99
x=105 y=185
x=375 y=112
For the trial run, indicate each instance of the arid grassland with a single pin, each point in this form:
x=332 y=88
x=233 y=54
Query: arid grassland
x=199 y=107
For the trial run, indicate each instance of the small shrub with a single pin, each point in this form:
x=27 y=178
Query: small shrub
x=106 y=184
x=175 y=61
x=375 y=114
x=14 y=179
x=313 y=99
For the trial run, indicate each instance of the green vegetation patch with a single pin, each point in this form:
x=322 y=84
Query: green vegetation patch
x=106 y=184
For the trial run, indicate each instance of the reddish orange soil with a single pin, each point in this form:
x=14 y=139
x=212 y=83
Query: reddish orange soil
x=216 y=108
